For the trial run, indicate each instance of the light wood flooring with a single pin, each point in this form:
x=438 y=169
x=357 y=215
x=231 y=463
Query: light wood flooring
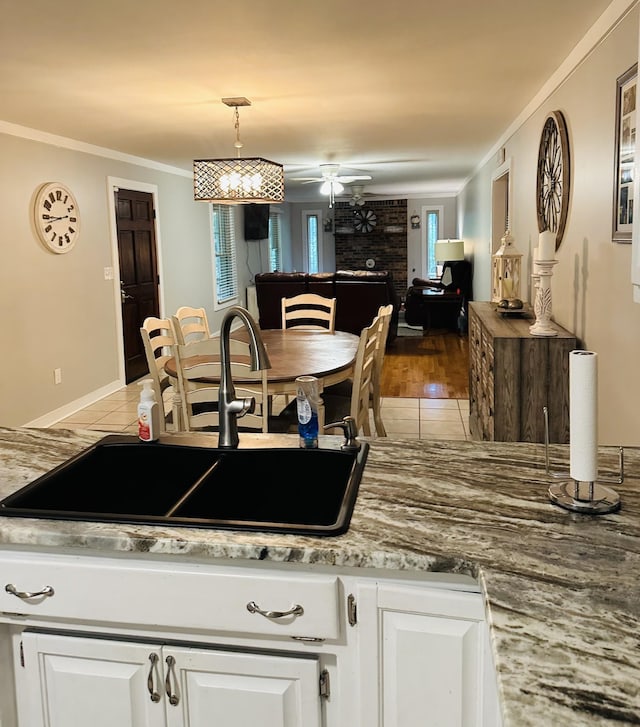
x=433 y=366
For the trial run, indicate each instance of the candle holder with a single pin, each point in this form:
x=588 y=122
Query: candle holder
x=542 y=272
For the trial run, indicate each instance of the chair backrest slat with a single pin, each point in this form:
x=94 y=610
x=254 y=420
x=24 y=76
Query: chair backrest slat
x=191 y=324
x=199 y=372
x=364 y=375
x=158 y=337
x=309 y=311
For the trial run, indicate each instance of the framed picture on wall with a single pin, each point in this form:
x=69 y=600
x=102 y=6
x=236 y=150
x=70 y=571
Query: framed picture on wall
x=625 y=148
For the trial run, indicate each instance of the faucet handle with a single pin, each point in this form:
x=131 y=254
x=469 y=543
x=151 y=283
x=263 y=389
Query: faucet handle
x=350 y=429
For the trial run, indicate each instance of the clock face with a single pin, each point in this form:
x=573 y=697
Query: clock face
x=552 y=188
x=364 y=220
x=56 y=217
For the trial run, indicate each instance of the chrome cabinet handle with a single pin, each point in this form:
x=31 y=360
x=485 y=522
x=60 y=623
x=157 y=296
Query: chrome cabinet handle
x=173 y=697
x=25 y=595
x=155 y=697
x=253 y=607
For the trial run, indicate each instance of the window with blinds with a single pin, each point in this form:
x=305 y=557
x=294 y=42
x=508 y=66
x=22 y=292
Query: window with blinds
x=225 y=274
x=275 y=243
x=432 y=220
x=312 y=251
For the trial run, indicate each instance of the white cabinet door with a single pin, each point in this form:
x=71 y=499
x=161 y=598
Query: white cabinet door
x=73 y=681
x=429 y=670
x=423 y=654
x=83 y=682
x=239 y=689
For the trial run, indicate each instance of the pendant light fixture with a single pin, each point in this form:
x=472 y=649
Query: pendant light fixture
x=236 y=181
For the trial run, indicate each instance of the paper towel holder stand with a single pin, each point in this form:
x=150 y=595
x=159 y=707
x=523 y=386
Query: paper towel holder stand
x=589 y=498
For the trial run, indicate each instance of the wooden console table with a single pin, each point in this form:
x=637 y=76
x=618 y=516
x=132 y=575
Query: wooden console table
x=513 y=375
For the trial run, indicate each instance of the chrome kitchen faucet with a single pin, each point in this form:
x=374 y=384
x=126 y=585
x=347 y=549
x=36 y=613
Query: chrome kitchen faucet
x=229 y=407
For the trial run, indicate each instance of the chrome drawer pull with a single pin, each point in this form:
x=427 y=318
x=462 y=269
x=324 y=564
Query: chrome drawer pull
x=155 y=697
x=25 y=595
x=173 y=697
x=253 y=607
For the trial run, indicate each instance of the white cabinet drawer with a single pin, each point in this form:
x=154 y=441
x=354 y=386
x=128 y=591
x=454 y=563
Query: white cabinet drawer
x=192 y=596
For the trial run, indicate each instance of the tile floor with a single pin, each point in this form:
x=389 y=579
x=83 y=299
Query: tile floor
x=407 y=418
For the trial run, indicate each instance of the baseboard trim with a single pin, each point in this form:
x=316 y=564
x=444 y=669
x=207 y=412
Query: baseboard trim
x=53 y=417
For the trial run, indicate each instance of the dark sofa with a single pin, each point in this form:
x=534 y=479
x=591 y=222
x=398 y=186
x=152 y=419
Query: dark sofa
x=358 y=294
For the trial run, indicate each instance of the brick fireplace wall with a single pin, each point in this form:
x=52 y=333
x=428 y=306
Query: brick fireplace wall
x=386 y=244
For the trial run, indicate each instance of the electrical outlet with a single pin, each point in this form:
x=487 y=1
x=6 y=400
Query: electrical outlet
x=57 y=376
x=108 y=273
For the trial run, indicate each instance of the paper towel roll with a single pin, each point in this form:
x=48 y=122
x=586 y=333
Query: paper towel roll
x=583 y=435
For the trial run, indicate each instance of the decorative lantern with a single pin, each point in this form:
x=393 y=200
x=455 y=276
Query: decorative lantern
x=506 y=266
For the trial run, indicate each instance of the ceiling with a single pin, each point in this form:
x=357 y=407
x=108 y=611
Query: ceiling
x=413 y=93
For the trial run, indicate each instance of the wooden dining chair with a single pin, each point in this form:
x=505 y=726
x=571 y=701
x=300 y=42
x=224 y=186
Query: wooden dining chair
x=199 y=371
x=343 y=390
x=191 y=324
x=358 y=404
x=384 y=321
x=158 y=336
x=310 y=311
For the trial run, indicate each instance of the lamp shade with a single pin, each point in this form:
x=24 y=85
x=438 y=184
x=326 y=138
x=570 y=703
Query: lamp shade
x=234 y=181
x=446 y=250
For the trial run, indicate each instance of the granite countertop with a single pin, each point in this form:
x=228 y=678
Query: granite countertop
x=561 y=589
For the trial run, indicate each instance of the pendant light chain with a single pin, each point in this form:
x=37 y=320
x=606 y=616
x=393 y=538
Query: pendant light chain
x=238 y=144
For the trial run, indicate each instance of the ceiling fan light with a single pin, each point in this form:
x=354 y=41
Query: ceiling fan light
x=325 y=187
x=338 y=187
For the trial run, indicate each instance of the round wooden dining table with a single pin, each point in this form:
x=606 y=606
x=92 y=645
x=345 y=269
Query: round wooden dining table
x=329 y=357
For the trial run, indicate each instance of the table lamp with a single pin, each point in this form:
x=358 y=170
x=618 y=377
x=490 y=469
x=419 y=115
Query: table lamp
x=448 y=251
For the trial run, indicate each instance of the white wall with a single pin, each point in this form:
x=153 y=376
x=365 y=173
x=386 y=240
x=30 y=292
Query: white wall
x=591 y=288
x=58 y=311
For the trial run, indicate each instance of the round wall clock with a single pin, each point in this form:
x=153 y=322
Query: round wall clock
x=364 y=220
x=56 y=217
x=553 y=180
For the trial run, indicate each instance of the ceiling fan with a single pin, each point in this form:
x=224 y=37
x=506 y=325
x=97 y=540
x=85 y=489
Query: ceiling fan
x=356 y=195
x=333 y=182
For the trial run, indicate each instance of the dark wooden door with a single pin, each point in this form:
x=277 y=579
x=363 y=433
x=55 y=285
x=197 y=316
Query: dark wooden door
x=135 y=221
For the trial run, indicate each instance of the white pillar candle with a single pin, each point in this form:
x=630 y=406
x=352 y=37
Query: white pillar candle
x=547 y=245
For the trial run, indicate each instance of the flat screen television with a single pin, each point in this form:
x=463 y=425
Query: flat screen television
x=256 y=221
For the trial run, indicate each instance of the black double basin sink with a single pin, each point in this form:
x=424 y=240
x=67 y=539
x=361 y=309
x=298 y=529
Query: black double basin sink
x=122 y=480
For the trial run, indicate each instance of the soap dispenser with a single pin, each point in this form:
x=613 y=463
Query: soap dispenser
x=148 y=413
